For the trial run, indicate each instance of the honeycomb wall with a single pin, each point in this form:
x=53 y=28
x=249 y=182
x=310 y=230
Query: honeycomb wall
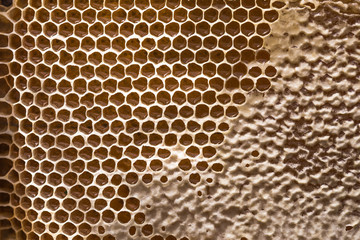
x=171 y=120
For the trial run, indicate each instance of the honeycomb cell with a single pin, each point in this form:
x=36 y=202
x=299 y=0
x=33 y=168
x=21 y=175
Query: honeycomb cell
x=202 y=166
x=247 y=84
x=238 y=98
x=194 y=178
x=69 y=228
x=147 y=229
x=270 y=71
x=255 y=14
x=185 y=165
x=263 y=29
x=262 y=84
x=271 y=15
x=132 y=204
x=262 y=56
x=124 y=217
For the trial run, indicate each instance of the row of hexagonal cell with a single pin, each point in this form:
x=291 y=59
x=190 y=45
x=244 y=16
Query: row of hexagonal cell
x=149 y=15
x=174 y=90
x=119 y=44
x=144 y=4
x=142 y=29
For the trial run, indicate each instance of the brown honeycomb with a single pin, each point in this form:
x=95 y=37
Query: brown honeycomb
x=100 y=98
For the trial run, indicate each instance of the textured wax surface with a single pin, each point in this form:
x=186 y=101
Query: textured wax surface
x=179 y=120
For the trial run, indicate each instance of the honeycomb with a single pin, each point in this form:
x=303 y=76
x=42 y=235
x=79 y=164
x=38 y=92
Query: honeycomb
x=106 y=104
x=291 y=157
